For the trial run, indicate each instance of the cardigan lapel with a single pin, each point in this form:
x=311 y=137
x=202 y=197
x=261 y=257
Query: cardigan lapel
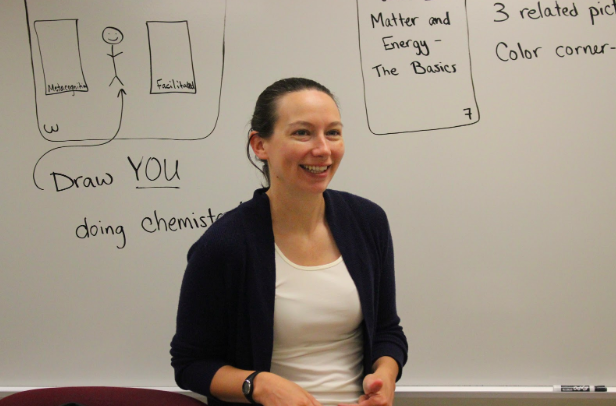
x=261 y=278
x=351 y=242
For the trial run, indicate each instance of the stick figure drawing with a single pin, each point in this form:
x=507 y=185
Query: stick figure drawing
x=113 y=36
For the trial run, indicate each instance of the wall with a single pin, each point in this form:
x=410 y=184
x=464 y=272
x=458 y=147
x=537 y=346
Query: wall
x=497 y=178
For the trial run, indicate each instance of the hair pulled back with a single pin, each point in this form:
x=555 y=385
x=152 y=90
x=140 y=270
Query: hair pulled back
x=265 y=114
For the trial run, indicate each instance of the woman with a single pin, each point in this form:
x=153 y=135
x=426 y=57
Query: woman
x=289 y=299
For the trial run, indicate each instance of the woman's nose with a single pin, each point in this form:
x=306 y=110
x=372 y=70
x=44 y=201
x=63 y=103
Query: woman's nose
x=321 y=146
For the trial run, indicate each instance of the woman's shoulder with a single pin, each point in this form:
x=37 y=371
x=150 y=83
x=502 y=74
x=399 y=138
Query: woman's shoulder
x=231 y=228
x=356 y=205
x=357 y=222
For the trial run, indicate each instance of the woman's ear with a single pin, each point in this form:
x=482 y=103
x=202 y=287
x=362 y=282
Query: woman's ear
x=258 y=146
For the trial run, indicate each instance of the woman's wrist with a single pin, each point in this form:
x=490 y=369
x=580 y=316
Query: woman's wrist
x=386 y=367
x=248 y=386
x=260 y=386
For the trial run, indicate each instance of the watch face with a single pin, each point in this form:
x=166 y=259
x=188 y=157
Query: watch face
x=246 y=387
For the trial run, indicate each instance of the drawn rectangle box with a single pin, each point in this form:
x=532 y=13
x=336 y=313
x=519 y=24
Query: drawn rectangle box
x=416 y=67
x=171 y=63
x=58 y=42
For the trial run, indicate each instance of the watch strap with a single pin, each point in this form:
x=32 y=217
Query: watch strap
x=250 y=380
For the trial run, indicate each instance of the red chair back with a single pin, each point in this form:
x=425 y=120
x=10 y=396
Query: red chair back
x=98 y=396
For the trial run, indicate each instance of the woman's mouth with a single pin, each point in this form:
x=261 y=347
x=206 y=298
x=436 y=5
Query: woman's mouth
x=315 y=168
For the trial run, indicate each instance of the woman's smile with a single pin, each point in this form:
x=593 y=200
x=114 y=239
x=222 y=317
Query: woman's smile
x=315 y=169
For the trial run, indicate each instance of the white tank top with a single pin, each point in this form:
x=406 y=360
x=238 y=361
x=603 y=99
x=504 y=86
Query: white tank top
x=318 y=340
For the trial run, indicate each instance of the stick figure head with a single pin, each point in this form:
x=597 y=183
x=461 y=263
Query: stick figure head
x=112 y=35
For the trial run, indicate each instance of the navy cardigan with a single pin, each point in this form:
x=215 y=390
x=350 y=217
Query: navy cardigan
x=226 y=308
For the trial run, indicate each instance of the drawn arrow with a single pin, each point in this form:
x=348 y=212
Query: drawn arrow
x=121 y=95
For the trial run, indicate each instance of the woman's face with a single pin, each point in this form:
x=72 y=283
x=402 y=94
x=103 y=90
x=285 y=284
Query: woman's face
x=306 y=146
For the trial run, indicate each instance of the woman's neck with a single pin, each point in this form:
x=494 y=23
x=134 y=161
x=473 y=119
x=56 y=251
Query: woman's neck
x=292 y=213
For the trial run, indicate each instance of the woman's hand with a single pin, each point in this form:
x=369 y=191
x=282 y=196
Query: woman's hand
x=377 y=391
x=379 y=386
x=273 y=390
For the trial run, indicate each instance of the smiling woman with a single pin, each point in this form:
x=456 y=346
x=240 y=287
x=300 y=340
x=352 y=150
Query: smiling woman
x=266 y=112
x=306 y=145
x=279 y=303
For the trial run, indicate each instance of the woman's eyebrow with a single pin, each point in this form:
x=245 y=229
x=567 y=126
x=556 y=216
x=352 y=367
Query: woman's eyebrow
x=308 y=124
x=300 y=123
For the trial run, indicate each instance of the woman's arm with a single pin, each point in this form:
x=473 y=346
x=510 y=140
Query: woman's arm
x=389 y=339
x=381 y=394
x=201 y=341
x=380 y=385
x=269 y=389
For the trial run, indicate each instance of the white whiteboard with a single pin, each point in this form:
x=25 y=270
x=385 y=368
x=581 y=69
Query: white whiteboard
x=498 y=178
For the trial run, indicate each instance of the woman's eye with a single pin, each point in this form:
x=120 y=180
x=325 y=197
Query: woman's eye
x=301 y=132
x=335 y=133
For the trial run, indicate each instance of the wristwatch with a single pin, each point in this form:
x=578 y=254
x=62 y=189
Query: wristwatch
x=248 y=386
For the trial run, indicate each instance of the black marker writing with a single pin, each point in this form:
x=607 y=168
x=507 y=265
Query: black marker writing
x=156 y=223
x=393 y=21
x=421 y=47
x=154 y=169
x=65 y=182
x=386 y=72
x=85 y=231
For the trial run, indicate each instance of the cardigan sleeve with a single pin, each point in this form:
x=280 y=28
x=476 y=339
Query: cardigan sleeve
x=361 y=230
x=200 y=343
x=389 y=339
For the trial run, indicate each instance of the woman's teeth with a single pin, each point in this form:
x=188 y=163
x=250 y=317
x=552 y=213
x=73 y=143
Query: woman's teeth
x=315 y=169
